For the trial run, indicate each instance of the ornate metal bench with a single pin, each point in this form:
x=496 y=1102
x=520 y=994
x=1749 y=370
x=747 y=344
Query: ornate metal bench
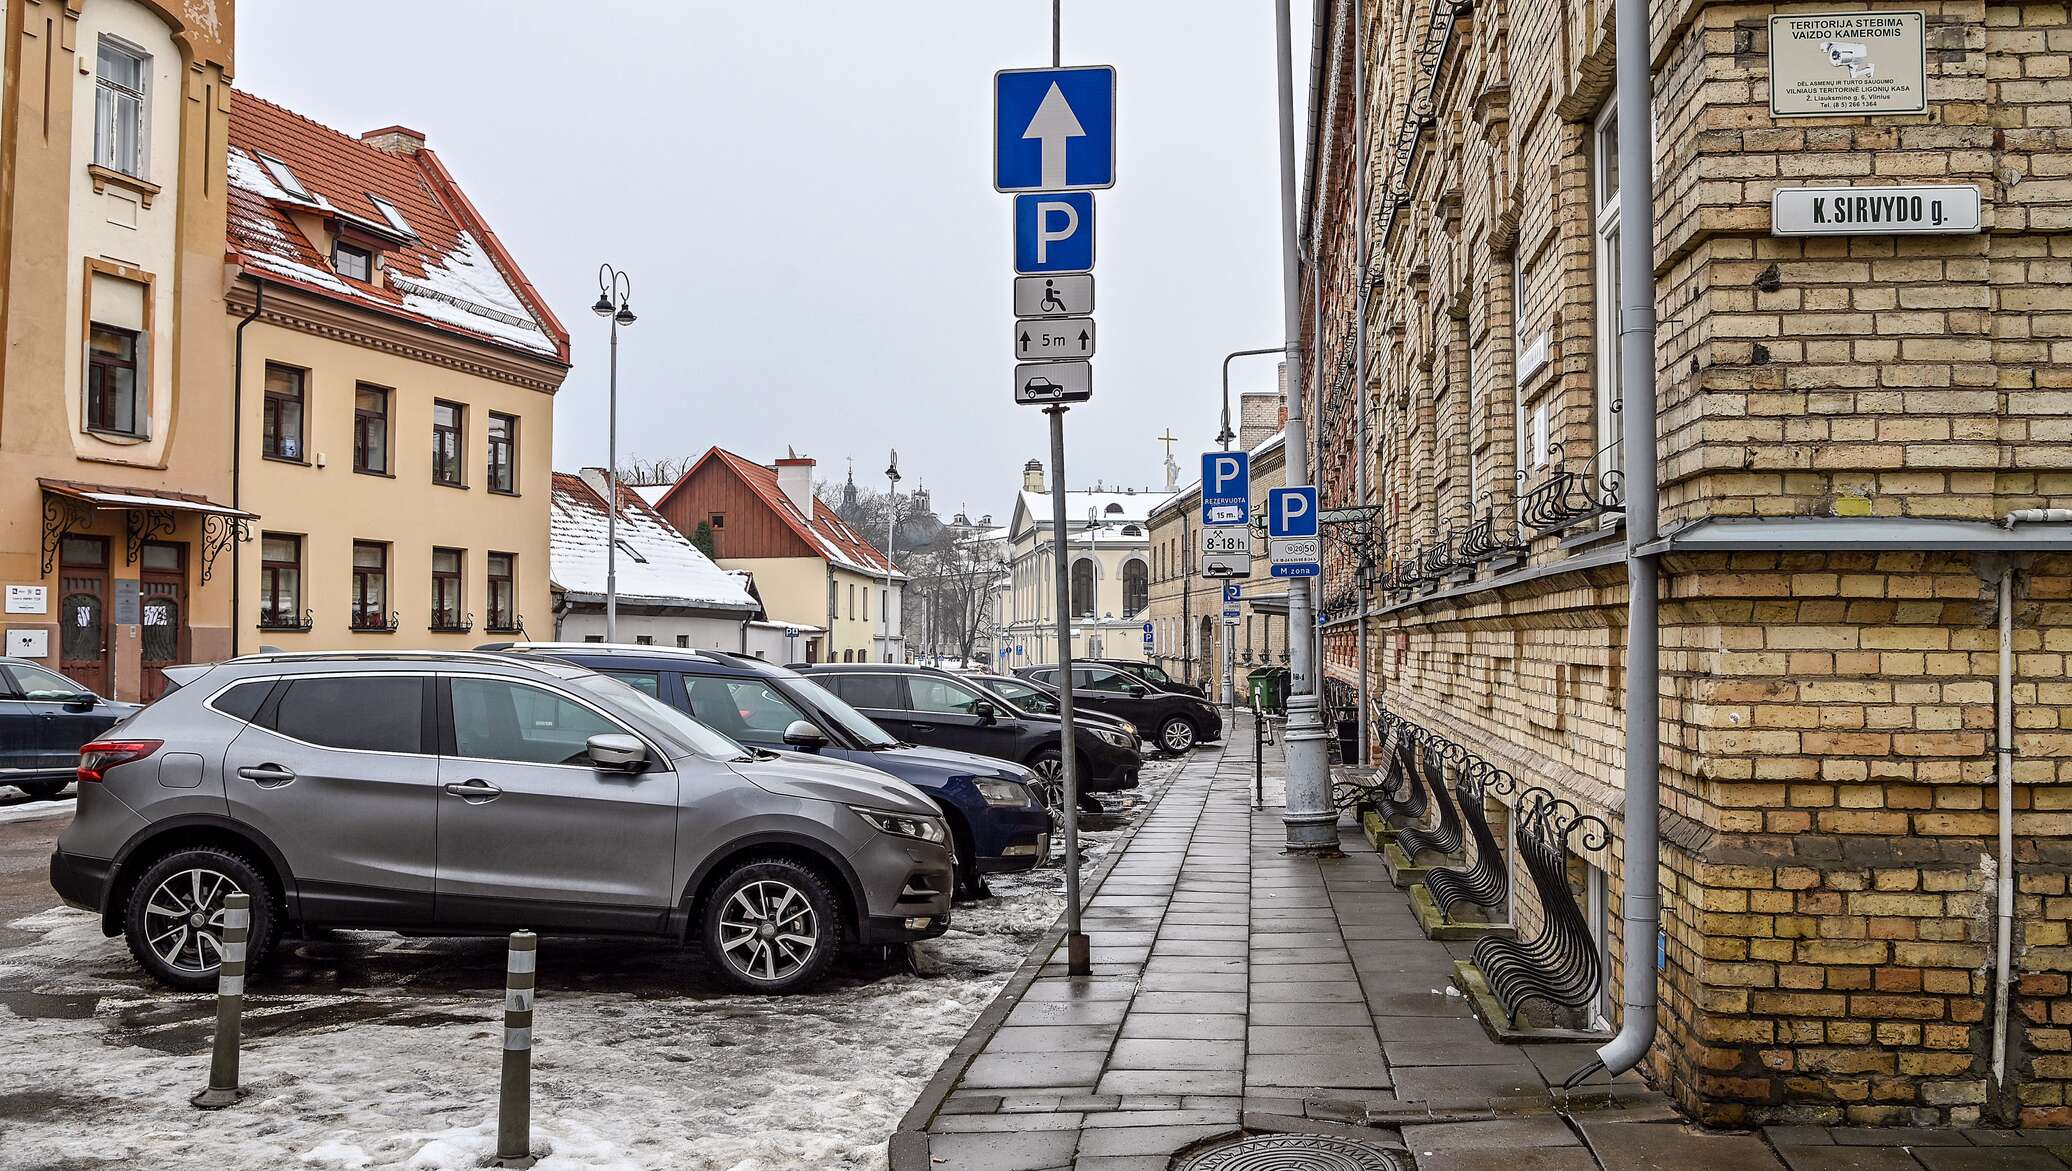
x=1366 y=786
x=1433 y=753
x=1401 y=800
x=1558 y=965
x=1484 y=882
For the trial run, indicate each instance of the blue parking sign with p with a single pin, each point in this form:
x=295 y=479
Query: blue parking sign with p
x=1291 y=512
x=1054 y=233
x=1226 y=488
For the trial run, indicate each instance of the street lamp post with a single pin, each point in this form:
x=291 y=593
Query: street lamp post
x=891 y=528
x=614 y=303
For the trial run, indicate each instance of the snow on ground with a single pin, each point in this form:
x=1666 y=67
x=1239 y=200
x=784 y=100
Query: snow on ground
x=366 y=1050
x=31 y=810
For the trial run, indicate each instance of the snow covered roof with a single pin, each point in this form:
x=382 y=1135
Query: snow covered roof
x=652 y=493
x=441 y=266
x=1191 y=494
x=656 y=563
x=1117 y=512
x=823 y=532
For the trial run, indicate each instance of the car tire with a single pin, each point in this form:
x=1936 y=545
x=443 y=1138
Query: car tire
x=742 y=920
x=42 y=790
x=176 y=887
x=1177 y=736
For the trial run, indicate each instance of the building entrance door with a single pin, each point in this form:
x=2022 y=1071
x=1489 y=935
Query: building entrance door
x=83 y=613
x=164 y=591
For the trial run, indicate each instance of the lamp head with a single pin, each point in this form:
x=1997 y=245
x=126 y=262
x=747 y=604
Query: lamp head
x=603 y=308
x=625 y=314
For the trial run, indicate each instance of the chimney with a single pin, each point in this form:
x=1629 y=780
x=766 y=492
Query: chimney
x=595 y=478
x=1032 y=476
x=795 y=476
x=1260 y=414
x=396 y=140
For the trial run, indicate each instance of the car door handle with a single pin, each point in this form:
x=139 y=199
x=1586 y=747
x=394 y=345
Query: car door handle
x=271 y=776
x=475 y=791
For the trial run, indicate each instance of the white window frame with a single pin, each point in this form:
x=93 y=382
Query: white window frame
x=107 y=95
x=1604 y=146
x=393 y=214
x=285 y=177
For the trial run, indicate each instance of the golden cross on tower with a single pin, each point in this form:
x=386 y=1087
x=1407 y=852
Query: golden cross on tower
x=1168 y=439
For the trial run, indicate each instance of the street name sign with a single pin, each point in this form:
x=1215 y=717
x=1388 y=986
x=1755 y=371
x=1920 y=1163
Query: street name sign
x=1054 y=233
x=1064 y=295
x=1067 y=337
x=1291 y=512
x=1226 y=551
x=1949 y=209
x=1824 y=63
x=1226 y=488
x=1054 y=129
x=1294 y=556
x=1043 y=383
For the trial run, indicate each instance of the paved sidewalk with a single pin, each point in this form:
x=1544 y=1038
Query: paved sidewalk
x=1236 y=989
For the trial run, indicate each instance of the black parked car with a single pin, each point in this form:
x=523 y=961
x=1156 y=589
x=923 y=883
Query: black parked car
x=934 y=707
x=1175 y=722
x=1150 y=673
x=1042 y=699
x=998 y=819
x=44 y=718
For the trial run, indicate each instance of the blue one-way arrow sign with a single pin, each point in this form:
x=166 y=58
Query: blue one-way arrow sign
x=1054 y=129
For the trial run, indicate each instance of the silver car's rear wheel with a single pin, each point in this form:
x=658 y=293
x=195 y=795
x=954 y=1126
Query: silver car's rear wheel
x=768 y=930
x=183 y=919
x=772 y=924
x=1177 y=735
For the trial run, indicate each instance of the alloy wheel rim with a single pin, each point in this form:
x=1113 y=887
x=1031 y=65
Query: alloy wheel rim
x=767 y=930
x=183 y=919
x=1179 y=736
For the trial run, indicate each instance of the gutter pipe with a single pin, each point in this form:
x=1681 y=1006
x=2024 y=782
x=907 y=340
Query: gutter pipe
x=237 y=457
x=1642 y=912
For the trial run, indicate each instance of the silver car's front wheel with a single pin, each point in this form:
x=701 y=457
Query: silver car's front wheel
x=772 y=925
x=1177 y=736
x=173 y=914
x=183 y=919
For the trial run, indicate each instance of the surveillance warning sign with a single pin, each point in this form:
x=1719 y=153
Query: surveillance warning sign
x=1848 y=63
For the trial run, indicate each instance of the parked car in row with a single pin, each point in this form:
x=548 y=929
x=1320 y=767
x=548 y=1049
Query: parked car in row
x=462 y=793
x=934 y=707
x=1042 y=699
x=1150 y=673
x=997 y=821
x=44 y=718
x=1176 y=722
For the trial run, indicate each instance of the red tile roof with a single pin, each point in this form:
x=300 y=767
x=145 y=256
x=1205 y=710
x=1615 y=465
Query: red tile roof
x=454 y=276
x=824 y=533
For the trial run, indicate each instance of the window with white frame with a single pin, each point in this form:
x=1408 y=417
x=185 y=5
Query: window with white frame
x=122 y=82
x=1605 y=188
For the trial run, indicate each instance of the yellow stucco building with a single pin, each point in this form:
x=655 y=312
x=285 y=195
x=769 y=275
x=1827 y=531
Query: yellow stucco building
x=395 y=390
x=115 y=451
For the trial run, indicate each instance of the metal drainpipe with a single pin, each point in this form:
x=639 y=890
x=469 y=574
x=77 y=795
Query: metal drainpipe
x=1360 y=289
x=1642 y=865
x=237 y=457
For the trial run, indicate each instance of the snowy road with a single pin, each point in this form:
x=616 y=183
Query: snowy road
x=366 y=1050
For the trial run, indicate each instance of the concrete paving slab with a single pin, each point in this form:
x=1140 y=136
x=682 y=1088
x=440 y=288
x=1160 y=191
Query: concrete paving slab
x=1167 y=980
x=1087 y=1012
x=1987 y=1159
x=1146 y=1140
x=981 y=1123
x=1834 y=1158
x=1264 y=972
x=1308 y=992
x=1415 y=1053
x=1317 y=1071
x=1020 y=1071
x=1549 y=1159
x=1321 y=1039
x=1310 y=1013
x=1177 y=1053
x=1498 y=1133
x=1897 y=1136
x=1079 y=989
x=1469 y=1083
x=1189 y=1002
x=1171 y=1081
x=1053 y=1039
x=1184 y=1026
x=1460 y=1031
x=1002 y=1150
x=1226 y=1116
x=1662 y=1146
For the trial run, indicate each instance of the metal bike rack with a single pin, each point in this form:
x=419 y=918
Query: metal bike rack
x=1443 y=836
x=1484 y=882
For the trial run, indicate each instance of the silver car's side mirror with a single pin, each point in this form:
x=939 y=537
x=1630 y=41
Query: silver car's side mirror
x=801 y=734
x=617 y=751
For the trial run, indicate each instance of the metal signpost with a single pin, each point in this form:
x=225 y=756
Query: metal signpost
x=1053 y=142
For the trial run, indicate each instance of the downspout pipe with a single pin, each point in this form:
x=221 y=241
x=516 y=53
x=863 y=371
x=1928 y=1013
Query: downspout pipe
x=237 y=457
x=2003 y=753
x=1642 y=910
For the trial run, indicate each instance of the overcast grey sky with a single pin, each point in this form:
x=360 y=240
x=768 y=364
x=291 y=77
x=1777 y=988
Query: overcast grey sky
x=801 y=193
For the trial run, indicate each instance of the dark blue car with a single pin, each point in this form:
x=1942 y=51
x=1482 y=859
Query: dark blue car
x=999 y=823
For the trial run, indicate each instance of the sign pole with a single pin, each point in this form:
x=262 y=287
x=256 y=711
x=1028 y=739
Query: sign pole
x=1311 y=820
x=1078 y=951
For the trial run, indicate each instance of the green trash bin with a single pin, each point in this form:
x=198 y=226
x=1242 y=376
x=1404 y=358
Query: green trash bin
x=1270 y=689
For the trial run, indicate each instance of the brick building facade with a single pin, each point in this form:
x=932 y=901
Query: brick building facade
x=1842 y=421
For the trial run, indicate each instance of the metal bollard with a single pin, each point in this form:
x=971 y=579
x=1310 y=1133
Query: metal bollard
x=514 y=1097
x=223 y=1089
x=1258 y=757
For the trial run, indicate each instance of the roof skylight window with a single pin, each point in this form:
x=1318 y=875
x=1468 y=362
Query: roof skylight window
x=285 y=177
x=391 y=213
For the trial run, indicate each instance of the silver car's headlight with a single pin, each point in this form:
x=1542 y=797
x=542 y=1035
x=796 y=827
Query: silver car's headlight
x=1003 y=792
x=905 y=825
x=1115 y=738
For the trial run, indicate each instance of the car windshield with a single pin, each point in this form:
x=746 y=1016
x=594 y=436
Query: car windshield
x=859 y=726
x=661 y=717
x=1023 y=696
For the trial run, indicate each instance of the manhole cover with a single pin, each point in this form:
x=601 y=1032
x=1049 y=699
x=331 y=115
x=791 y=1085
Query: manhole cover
x=1296 y=1152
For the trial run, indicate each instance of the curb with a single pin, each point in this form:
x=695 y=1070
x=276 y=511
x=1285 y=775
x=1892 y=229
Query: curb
x=907 y=1149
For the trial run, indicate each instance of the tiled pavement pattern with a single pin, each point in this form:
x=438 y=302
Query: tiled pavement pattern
x=1234 y=987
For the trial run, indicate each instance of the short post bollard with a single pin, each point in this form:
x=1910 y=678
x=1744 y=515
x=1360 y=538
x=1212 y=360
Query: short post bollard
x=514 y=1098
x=223 y=1089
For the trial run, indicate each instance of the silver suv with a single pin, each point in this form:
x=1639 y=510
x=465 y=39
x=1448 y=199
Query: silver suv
x=472 y=794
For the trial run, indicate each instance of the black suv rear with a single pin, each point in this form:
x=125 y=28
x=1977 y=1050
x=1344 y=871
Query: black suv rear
x=1173 y=721
x=934 y=707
